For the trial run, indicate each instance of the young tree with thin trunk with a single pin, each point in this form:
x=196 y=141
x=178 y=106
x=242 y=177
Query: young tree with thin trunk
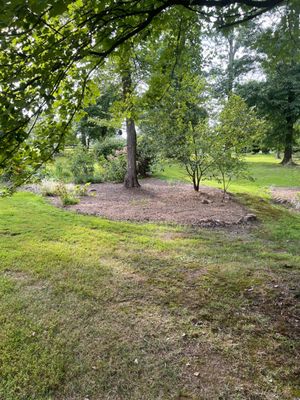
x=237 y=126
x=181 y=127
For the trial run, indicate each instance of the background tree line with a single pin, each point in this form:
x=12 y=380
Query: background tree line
x=130 y=64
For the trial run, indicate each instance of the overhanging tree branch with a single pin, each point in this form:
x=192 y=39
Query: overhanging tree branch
x=37 y=55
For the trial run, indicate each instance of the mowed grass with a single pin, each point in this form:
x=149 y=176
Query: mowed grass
x=95 y=309
x=265 y=170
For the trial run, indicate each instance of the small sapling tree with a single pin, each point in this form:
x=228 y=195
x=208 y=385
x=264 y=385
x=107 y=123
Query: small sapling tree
x=181 y=127
x=238 y=126
x=196 y=155
x=228 y=166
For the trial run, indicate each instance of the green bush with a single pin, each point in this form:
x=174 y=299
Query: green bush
x=62 y=170
x=75 y=167
x=82 y=165
x=108 y=146
x=82 y=190
x=115 y=167
x=146 y=155
x=6 y=191
x=112 y=156
x=67 y=195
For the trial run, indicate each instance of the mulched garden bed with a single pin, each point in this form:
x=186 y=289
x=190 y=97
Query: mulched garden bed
x=161 y=201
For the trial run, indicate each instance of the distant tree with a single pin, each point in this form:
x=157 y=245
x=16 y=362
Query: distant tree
x=283 y=97
x=231 y=57
x=278 y=99
x=95 y=125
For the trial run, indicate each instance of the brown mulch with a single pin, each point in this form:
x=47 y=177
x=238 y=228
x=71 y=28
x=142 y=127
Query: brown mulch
x=160 y=201
x=287 y=196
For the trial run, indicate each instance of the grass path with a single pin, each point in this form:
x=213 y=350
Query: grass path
x=94 y=309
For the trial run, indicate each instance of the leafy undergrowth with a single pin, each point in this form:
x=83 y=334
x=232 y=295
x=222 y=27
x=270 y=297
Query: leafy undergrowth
x=95 y=309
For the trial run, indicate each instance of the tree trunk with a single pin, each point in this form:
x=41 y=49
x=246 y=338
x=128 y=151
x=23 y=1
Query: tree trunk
x=230 y=67
x=288 y=147
x=131 y=179
x=83 y=139
x=196 y=186
x=196 y=180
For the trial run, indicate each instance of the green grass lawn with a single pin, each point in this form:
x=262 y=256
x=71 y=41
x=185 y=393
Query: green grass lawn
x=264 y=169
x=102 y=310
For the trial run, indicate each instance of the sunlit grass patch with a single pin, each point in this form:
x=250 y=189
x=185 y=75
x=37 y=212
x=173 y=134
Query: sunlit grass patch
x=264 y=169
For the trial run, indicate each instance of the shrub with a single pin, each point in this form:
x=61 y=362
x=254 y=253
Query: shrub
x=82 y=190
x=62 y=169
x=115 y=167
x=108 y=146
x=67 y=194
x=82 y=165
x=6 y=191
x=228 y=166
x=146 y=155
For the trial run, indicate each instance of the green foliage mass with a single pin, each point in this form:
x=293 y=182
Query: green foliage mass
x=147 y=155
x=97 y=123
x=106 y=160
x=49 y=55
x=108 y=146
x=278 y=96
x=278 y=100
x=82 y=165
x=114 y=153
x=184 y=133
x=66 y=196
x=115 y=167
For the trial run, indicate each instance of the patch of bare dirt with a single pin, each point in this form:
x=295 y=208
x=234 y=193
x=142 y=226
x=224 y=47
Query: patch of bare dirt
x=287 y=196
x=16 y=275
x=160 y=201
x=25 y=279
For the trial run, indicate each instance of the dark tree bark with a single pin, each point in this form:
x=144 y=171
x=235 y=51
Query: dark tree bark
x=83 y=139
x=288 y=147
x=131 y=180
x=196 y=186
